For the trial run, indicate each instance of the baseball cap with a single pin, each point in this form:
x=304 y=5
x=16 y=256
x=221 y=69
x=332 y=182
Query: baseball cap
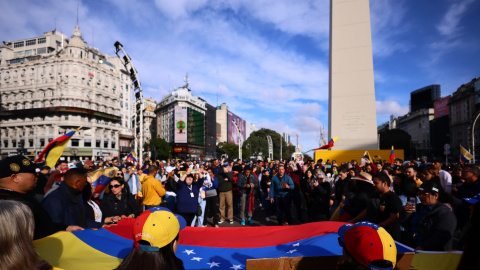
x=158 y=226
x=430 y=186
x=368 y=243
x=363 y=176
x=18 y=164
x=473 y=200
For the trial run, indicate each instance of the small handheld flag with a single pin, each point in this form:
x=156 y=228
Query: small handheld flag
x=367 y=156
x=465 y=156
x=132 y=156
x=392 y=156
x=54 y=150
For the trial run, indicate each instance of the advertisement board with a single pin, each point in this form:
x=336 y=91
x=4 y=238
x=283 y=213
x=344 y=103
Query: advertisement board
x=180 y=125
x=441 y=107
x=232 y=133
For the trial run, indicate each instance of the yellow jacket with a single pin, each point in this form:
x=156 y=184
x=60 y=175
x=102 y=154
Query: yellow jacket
x=152 y=191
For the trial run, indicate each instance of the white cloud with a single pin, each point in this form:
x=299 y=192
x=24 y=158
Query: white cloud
x=449 y=25
x=310 y=109
x=389 y=107
x=179 y=8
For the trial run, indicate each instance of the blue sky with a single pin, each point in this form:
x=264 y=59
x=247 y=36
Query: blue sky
x=268 y=60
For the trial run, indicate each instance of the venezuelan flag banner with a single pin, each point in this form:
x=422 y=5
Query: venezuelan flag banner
x=465 y=156
x=101 y=178
x=132 y=156
x=54 y=150
x=199 y=248
x=392 y=156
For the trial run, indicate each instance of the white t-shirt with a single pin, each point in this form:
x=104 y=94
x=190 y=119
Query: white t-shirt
x=446 y=181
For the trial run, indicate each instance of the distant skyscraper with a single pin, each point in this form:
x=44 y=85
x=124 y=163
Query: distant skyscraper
x=286 y=137
x=424 y=98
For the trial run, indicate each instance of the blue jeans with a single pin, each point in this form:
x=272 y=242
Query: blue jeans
x=202 y=203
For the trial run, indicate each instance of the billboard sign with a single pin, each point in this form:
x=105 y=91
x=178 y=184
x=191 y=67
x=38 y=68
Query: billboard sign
x=232 y=133
x=180 y=125
x=441 y=107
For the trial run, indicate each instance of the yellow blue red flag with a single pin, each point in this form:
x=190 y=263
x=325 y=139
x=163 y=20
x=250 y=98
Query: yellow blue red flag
x=54 y=150
x=132 y=156
x=465 y=156
x=101 y=178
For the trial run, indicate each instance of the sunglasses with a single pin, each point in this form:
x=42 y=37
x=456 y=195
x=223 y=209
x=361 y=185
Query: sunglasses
x=114 y=186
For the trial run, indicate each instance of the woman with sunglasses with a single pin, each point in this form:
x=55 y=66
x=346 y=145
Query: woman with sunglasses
x=118 y=202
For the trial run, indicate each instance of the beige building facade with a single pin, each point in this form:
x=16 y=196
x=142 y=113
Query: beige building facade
x=50 y=85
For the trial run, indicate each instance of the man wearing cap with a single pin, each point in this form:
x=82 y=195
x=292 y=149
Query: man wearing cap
x=432 y=224
x=17 y=178
x=65 y=205
x=368 y=245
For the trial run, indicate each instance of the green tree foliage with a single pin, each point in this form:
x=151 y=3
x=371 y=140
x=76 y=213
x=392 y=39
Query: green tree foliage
x=258 y=143
x=162 y=148
x=230 y=149
x=307 y=157
x=398 y=138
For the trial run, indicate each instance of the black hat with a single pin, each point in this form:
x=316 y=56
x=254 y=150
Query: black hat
x=18 y=164
x=431 y=186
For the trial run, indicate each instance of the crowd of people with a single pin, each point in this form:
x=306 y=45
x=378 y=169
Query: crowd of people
x=424 y=205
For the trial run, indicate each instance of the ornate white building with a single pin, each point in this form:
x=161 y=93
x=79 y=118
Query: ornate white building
x=50 y=85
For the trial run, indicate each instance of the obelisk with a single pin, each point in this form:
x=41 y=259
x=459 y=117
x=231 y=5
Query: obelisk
x=351 y=111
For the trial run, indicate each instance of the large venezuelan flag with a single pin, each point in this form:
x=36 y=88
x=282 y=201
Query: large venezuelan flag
x=199 y=248
x=101 y=178
x=54 y=149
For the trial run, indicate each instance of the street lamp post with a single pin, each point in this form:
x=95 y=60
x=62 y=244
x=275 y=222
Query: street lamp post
x=473 y=136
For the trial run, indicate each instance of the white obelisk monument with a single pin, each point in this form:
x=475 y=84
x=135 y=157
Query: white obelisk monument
x=352 y=114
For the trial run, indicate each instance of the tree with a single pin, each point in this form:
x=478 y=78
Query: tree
x=161 y=147
x=307 y=157
x=230 y=149
x=258 y=143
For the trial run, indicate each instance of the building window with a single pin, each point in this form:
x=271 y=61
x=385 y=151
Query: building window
x=50 y=139
x=97 y=144
x=42 y=40
x=113 y=145
x=30 y=143
x=14 y=143
x=75 y=142
x=105 y=144
x=41 y=50
x=42 y=142
x=18 y=44
x=31 y=42
x=5 y=143
x=87 y=143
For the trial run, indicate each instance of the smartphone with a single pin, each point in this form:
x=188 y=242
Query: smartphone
x=413 y=202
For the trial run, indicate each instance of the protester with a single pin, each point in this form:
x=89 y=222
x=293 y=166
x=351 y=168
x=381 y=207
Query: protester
x=16 y=236
x=431 y=224
x=366 y=246
x=65 y=205
x=60 y=166
x=118 y=203
x=281 y=185
x=156 y=236
x=211 y=198
x=153 y=190
x=187 y=196
x=248 y=185
x=17 y=178
x=320 y=195
x=225 y=179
